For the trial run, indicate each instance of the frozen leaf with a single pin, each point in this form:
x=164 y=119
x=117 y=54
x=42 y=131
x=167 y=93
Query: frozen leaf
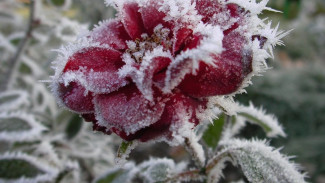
x=19 y=126
x=117 y=175
x=268 y=122
x=262 y=163
x=157 y=170
x=18 y=167
x=212 y=135
x=12 y=99
x=124 y=151
x=74 y=126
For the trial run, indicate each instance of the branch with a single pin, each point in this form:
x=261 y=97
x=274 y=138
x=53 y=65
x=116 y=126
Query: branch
x=195 y=150
x=14 y=60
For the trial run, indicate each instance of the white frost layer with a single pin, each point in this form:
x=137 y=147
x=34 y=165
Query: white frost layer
x=181 y=12
x=254 y=7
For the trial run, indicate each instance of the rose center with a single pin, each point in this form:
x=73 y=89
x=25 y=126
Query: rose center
x=139 y=47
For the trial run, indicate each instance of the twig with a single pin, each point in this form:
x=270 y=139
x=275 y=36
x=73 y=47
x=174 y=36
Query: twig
x=193 y=152
x=188 y=175
x=14 y=60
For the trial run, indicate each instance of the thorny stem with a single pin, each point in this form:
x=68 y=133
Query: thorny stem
x=14 y=60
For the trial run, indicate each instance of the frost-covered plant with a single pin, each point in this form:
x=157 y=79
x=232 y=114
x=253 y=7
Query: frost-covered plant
x=162 y=70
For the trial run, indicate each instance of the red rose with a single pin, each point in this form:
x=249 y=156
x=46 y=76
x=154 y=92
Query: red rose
x=153 y=68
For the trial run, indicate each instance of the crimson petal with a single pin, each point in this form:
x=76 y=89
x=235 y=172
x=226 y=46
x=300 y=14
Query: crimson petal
x=232 y=66
x=151 y=16
x=132 y=20
x=73 y=96
x=127 y=109
x=111 y=33
x=96 y=69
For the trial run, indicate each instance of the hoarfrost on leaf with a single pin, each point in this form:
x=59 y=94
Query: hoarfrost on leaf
x=268 y=122
x=124 y=152
x=19 y=126
x=261 y=162
x=20 y=167
x=12 y=99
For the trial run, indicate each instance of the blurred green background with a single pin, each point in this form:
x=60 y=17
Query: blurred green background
x=294 y=90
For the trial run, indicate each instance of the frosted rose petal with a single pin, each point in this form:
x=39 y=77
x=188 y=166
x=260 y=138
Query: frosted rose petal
x=74 y=96
x=151 y=16
x=132 y=20
x=181 y=39
x=231 y=68
x=96 y=69
x=111 y=33
x=127 y=109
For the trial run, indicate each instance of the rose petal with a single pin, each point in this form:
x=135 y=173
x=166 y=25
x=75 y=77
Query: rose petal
x=232 y=66
x=103 y=129
x=111 y=33
x=179 y=109
x=151 y=16
x=157 y=67
x=207 y=9
x=132 y=20
x=95 y=69
x=90 y=117
x=127 y=109
x=181 y=38
x=74 y=97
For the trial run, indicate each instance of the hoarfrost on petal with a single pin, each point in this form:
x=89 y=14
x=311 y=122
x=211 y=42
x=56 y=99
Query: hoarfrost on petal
x=127 y=110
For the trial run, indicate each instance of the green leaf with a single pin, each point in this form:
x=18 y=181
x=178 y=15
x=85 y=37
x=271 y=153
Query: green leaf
x=13 y=124
x=117 y=175
x=58 y=2
x=19 y=127
x=74 y=126
x=15 y=168
x=12 y=99
x=18 y=166
x=110 y=177
x=261 y=162
x=212 y=135
x=124 y=147
x=268 y=122
x=124 y=151
x=158 y=172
